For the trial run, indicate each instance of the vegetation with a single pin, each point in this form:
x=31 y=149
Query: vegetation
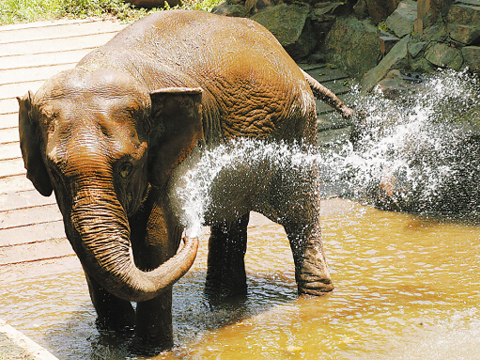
x=18 y=11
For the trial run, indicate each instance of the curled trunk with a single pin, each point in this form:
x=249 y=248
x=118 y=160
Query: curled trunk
x=101 y=239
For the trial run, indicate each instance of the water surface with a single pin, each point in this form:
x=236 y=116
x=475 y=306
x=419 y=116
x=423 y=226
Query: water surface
x=406 y=288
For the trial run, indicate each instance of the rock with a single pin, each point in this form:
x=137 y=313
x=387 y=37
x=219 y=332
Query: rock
x=430 y=11
x=397 y=58
x=323 y=17
x=232 y=10
x=291 y=26
x=471 y=57
x=416 y=48
x=464 y=15
x=330 y=8
x=465 y=34
x=360 y=10
x=254 y=6
x=387 y=42
x=353 y=45
x=422 y=65
x=445 y=56
x=402 y=19
x=464 y=23
x=392 y=85
x=437 y=32
x=379 y=10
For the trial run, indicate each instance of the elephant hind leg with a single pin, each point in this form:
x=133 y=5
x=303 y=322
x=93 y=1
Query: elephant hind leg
x=226 y=277
x=311 y=271
x=295 y=199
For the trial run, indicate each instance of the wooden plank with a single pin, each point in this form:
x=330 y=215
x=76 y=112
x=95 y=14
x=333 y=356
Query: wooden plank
x=8 y=121
x=30 y=216
x=8 y=94
x=15 y=183
x=324 y=75
x=339 y=87
x=37 y=60
x=11 y=167
x=52 y=248
x=8 y=136
x=32 y=74
x=10 y=273
x=10 y=151
x=56 y=45
x=41 y=24
x=59 y=31
x=24 y=199
x=32 y=233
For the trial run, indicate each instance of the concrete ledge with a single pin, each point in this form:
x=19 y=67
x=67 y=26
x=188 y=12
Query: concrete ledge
x=14 y=345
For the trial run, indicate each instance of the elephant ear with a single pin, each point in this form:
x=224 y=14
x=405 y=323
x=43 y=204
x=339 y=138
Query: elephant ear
x=176 y=119
x=30 y=146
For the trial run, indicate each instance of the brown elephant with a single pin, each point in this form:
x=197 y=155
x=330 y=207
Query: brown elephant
x=108 y=135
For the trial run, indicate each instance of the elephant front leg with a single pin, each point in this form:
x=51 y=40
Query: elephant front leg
x=155 y=239
x=311 y=271
x=226 y=275
x=154 y=332
x=113 y=313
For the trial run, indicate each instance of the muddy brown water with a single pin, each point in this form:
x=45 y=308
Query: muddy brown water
x=406 y=288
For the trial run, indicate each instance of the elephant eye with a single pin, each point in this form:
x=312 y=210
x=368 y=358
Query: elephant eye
x=126 y=169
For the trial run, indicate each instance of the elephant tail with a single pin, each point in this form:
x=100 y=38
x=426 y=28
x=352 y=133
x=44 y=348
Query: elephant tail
x=326 y=95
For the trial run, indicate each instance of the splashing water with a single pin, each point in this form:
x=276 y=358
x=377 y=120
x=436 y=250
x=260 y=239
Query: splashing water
x=422 y=147
x=245 y=164
x=417 y=152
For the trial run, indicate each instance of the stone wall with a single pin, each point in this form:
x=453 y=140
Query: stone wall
x=369 y=38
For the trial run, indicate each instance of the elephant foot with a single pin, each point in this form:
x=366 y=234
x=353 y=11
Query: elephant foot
x=117 y=324
x=218 y=293
x=313 y=278
x=149 y=347
x=315 y=288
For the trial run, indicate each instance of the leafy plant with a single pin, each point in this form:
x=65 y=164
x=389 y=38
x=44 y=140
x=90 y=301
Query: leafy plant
x=18 y=11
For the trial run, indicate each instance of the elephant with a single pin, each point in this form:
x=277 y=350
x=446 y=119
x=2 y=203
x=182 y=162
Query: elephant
x=108 y=136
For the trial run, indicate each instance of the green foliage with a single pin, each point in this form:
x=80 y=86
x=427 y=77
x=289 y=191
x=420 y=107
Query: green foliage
x=383 y=26
x=204 y=5
x=17 y=11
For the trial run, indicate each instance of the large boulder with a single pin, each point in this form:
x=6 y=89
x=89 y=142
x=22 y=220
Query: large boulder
x=379 y=10
x=471 y=57
x=430 y=11
x=353 y=45
x=464 y=23
x=291 y=26
x=444 y=56
x=397 y=58
x=402 y=19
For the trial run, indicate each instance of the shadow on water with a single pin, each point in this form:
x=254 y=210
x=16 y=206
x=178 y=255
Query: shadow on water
x=76 y=336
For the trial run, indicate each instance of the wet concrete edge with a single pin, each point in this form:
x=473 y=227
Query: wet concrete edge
x=15 y=345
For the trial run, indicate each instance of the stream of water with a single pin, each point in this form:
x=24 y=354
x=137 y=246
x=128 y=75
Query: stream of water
x=406 y=286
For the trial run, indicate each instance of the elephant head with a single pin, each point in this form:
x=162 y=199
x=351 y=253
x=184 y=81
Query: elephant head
x=100 y=140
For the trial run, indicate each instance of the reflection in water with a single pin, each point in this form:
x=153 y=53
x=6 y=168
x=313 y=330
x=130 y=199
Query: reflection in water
x=406 y=288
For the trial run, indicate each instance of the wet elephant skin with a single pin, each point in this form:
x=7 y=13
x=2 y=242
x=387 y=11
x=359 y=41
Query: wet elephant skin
x=108 y=135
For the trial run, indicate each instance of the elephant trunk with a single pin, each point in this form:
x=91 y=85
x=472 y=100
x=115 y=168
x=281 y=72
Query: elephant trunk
x=101 y=239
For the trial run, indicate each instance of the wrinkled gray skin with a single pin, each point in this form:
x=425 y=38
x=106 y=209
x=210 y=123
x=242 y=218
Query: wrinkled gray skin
x=108 y=136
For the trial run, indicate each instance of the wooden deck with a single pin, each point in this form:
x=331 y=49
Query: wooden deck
x=32 y=238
